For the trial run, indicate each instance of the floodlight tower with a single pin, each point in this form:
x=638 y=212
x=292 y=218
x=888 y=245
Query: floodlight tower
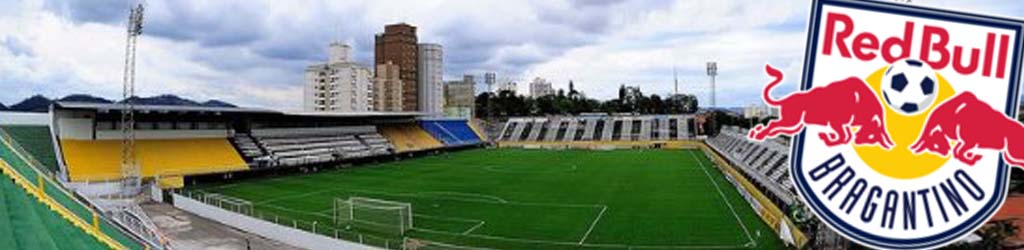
x=675 y=77
x=713 y=72
x=130 y=169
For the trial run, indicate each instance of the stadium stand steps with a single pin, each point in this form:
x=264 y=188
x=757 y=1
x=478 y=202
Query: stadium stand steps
x=302 y=146
x=38 y=141
x=248 y=147
x=765 y=163
x=28 y=224
x=62 y=196
x=409 y=137
x=451 y=132
x=89 y=160
x=598 y=128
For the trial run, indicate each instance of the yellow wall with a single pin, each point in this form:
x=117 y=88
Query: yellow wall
x=96 y=160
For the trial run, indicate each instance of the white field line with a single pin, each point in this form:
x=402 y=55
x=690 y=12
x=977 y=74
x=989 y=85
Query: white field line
x=490 y=197
x=470 y=230
x=592 y=224
x=491 y=200
x=497 y=169
x=444 y=218
x=727 y=203
x=534 y=241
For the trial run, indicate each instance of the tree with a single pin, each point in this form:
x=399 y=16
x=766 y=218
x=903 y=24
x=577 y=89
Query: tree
x=507 y=103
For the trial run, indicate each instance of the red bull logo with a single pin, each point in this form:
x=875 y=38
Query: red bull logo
x=904 y=129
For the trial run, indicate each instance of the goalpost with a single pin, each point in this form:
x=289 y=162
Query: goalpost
x=233 y=204
x=374 y=214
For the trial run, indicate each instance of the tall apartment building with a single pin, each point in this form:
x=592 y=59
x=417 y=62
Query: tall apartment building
x=540 y=87
x=398 y=44
x=431 y=84
x=506 y=86
x=338 y=85
x=460 y=97
x=387 y=88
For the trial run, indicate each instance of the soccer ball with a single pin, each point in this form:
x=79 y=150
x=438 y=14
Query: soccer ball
x=909 y=86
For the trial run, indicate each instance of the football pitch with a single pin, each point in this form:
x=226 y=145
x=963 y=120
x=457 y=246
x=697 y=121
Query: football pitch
x=526 y=199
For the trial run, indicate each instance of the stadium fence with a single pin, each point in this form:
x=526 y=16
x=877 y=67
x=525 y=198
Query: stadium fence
x=296 y=232
x=772 y=215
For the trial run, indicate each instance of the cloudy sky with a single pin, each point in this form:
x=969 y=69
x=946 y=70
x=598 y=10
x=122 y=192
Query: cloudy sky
x=253 y=52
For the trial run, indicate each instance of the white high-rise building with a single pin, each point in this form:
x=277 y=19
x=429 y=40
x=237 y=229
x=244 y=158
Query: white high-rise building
x=540 y=87
x=760 y=111
x=338 y=85
x=430 y=82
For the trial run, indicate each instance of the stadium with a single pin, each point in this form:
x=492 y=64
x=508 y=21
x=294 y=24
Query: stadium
x=397 y=158
x=398 y=180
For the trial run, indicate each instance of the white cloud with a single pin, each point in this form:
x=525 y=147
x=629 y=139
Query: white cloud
x=253 y=52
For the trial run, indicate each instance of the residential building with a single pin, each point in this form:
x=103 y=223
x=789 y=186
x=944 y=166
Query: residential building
x=398 y=44
x=459 y=97
x=631 y=94
x=759 y=111
x=506 y=86
x=431 y=85
x=540 y=87
x=388 y=88
x=338 y=85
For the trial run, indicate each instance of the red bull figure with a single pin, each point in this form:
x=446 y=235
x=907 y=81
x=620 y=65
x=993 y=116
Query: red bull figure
x=972 y=124
x=840 y=105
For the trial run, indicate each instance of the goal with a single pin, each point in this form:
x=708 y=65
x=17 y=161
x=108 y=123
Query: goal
x=384 y=216
x=229 y=203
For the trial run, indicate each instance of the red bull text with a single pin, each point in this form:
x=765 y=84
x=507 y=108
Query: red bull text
x=903 y=130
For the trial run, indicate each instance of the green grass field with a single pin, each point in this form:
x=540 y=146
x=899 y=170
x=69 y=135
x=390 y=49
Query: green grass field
x=529 y=199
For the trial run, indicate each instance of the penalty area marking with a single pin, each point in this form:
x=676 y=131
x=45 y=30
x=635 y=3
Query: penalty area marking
x=500 y=169
x=727 y=203
x=470 y=230
x=594 y=223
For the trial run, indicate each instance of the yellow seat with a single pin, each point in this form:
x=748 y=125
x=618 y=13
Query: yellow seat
x=409 y=137
x=98 y=160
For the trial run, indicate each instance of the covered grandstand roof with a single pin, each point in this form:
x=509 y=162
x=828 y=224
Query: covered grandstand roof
x=356 y=114
x=164 y=109
x=108 y=107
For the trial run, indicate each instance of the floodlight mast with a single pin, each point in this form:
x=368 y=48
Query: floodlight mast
x=713 y=72
x=130 y=170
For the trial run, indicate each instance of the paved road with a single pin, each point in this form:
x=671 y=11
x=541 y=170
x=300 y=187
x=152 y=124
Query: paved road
x=187 y=231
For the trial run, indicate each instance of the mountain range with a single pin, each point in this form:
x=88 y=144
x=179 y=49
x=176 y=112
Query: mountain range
x=39 y=103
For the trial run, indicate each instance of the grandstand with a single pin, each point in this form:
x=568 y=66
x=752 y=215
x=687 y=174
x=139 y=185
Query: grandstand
x=82 y=148
x=600 y=128
x=766 y=163
x=37 y=140
x=302 y=146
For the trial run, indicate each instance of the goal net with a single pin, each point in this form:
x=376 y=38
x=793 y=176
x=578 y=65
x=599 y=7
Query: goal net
x=384 y=216
x=229 y=203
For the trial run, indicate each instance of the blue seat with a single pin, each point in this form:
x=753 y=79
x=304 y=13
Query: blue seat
x=451 y=132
